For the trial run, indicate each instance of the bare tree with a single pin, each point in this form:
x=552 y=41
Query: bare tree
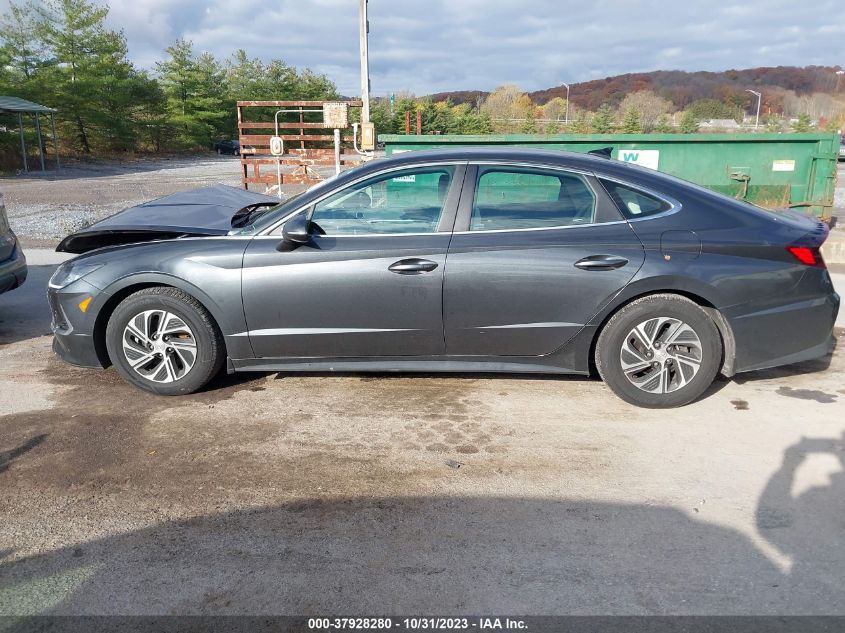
x=649 y=105
x=817 y=105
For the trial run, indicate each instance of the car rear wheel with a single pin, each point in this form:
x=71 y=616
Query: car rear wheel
x=219 y=151
x=659 y=351
x=164 y=341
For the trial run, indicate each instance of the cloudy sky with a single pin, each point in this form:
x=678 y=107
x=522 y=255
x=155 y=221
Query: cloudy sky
x=434 y=45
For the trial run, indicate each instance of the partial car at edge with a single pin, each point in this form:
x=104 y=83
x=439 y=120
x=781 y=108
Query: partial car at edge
x=12 y=260
x=488 y=260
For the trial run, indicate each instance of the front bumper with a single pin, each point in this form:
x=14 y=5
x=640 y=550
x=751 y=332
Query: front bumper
x=13 y=270
x=73 y=328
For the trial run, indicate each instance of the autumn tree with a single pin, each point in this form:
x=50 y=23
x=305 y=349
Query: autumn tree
x=508 y=106
x=649 y=105
x=555 y=109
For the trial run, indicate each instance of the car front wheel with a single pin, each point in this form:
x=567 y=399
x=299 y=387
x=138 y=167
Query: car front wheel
x=164 y=341
x=659 y=351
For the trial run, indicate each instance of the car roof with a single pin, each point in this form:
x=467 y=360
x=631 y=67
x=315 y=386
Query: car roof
x=509 y=153
x=601 y=165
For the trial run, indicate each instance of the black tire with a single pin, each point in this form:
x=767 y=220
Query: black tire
x=236 y=152
x=219 y=152
x=609 y=351
x=210 y=347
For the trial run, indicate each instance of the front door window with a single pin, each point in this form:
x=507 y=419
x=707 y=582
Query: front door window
x=400 y=202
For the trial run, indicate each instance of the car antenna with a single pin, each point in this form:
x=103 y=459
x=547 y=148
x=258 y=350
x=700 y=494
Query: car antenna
x=604 y=152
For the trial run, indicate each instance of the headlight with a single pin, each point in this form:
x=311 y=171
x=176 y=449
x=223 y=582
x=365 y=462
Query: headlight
x=66 y=274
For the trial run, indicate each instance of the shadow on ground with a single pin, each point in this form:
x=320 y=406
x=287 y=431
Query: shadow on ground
x=24 y=312
x=468 y=554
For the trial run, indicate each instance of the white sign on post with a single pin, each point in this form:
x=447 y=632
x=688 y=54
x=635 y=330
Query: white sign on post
x=277 y=146
x=645 y=157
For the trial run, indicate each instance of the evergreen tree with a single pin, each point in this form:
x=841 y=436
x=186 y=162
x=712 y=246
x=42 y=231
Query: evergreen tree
x=663 y=125
x=580 y=123
x=21 y=55
x=689 y=123
x=803 y=124
x=603 y=120
x=88 y=74
x=381 y=117
x=472 y=121
x=529 y=125
x=194 y=89
x=631 y=122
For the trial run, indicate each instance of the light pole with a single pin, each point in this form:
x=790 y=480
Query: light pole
x=759 y=99
x=364 y=29
x=566 y=116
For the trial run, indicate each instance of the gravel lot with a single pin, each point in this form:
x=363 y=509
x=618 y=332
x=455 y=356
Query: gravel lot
x=316 y=494
x=44 y=209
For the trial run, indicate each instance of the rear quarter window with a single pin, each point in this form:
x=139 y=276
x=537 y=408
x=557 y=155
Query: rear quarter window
x=632 y=202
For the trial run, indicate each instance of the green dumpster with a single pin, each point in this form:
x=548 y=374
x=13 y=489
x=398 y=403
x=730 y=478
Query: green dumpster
x=771 y=170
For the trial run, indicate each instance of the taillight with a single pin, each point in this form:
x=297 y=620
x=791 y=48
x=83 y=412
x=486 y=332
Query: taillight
x=809 y=256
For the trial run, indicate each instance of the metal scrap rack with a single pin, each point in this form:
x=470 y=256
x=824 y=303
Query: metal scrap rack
x=306 y=147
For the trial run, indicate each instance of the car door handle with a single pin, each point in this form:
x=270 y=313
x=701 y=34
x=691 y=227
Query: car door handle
x=412 y=266
x=601 y=262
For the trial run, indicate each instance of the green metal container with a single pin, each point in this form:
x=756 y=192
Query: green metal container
x=771 y=170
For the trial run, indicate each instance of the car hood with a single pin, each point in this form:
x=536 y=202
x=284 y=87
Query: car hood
x=205 y=211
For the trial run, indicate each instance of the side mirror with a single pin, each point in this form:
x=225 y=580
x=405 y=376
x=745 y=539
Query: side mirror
x=297 y=230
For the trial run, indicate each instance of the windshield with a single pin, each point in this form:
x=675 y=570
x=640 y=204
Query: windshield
x=265 y=217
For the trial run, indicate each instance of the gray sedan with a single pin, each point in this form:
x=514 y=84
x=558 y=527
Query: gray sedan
x=482 y=260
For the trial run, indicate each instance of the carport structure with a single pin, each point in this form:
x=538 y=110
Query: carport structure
x=16 y=105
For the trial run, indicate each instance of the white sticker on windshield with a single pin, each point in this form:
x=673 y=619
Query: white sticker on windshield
x=411 y=178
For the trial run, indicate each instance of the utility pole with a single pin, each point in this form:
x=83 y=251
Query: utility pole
x=566 y=116
x=364 y=29
x=759 y=99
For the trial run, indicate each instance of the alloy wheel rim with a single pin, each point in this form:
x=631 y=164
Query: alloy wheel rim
x=159 y=346
x=661 y=355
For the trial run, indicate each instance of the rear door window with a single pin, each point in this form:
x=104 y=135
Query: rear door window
x=509 y=198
